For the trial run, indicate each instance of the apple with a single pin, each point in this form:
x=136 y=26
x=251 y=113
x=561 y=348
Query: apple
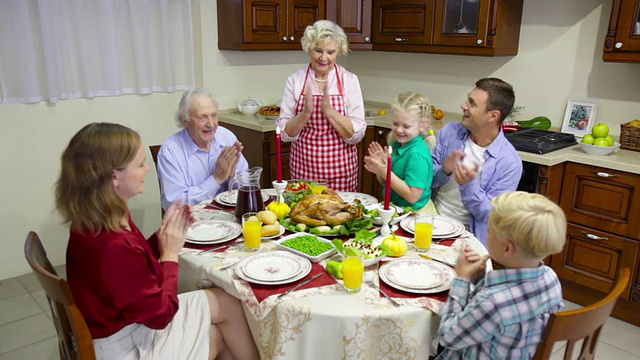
x=588 y=139
x=600 y=130
x=610 y=140
x=581 y=124
x=601 y=142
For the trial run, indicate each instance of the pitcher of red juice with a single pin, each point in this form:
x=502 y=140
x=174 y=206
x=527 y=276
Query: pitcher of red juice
x=249 y=194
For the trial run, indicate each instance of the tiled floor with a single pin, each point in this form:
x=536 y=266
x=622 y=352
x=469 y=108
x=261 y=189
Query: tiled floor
x=26 y=330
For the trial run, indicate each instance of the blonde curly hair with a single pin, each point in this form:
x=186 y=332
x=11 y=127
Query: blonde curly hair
x=322 y=31
x=415 y=105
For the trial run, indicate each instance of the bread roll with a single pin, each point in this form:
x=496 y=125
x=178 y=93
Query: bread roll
x=268 y=217
x=270 y=230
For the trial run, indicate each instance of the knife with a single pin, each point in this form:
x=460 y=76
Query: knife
x=216 y=248
x=300 y=285
x=436 y=260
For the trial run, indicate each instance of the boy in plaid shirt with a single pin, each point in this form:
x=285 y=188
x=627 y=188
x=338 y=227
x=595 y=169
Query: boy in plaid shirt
x=504 y=314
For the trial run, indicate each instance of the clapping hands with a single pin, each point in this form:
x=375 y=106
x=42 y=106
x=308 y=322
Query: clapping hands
x=173 y=230
x=227 y=162
x=376 y=161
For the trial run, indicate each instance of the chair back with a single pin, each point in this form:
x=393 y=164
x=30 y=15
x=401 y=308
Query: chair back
x=581 y=324
x=154 y=155
x=74 y=338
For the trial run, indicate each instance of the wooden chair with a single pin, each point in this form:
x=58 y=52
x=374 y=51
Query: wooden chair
x=582 y=324
x=154 y=155
x=74 y=338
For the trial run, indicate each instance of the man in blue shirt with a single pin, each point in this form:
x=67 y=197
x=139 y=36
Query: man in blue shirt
x=197 y=162
x=473 y=161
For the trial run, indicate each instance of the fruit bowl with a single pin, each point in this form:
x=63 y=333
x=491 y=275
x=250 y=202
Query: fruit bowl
x=599 y=150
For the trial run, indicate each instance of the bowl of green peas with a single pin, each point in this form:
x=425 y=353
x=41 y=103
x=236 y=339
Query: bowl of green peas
x=310 y=246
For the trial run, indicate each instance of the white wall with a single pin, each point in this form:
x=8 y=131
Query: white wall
x=560 y=58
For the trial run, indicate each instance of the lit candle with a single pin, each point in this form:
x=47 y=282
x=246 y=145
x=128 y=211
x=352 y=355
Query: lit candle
x=387 y=192
x=278 y=154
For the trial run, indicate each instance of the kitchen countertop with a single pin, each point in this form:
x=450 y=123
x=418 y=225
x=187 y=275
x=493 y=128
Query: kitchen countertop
x=621 y=160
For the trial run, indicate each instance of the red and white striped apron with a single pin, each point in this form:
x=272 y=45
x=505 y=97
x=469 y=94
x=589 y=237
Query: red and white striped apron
x=320 y=152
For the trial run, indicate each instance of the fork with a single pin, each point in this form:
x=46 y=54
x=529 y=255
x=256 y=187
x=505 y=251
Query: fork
x=372 y=285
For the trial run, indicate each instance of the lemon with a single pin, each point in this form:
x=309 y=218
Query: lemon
x=318 y=189
x=382 y=112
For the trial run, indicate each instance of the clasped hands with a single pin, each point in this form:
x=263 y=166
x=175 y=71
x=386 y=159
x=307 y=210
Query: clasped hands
x=453 y=165
x=227 y=162
x=470 y=266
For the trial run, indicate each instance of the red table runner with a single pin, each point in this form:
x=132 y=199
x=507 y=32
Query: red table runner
x=264 y=291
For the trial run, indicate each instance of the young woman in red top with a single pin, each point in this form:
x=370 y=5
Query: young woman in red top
x=124 y=284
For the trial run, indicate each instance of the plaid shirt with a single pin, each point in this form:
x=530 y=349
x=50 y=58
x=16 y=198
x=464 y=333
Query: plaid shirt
x=502 y=318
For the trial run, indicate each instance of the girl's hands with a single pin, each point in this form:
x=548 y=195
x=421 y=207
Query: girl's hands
x=173 y=230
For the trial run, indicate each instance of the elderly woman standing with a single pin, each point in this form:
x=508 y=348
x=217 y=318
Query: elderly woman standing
x=322 y=111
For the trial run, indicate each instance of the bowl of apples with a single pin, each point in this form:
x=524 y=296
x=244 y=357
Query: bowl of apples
x=599 y=142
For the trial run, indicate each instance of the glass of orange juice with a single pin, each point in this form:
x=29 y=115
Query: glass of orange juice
x=423 y=231
x=352 y=271
x=251 y=231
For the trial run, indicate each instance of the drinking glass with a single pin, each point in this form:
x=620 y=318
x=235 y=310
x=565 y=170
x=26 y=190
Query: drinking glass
x=423 y=231
x=251 y=231
x=352 y=272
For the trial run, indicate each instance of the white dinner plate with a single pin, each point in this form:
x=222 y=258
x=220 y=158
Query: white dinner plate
x=413 y=273
x=282 y=229
x=350 y=197
x=213 y=214
x=447 y=272
x=213 y=232
x=443 y=227
x=230 y=198
x=272 y=266
x=306 y=269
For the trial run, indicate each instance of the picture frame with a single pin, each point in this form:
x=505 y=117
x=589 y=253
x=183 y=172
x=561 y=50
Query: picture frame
x=579 y=117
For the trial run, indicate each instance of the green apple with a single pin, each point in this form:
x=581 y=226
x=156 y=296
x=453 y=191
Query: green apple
x=588 y=139
x=610 y=140
x=600 y=130
x=601 y=141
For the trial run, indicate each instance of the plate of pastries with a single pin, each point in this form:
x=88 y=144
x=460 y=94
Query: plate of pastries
x=270 y=112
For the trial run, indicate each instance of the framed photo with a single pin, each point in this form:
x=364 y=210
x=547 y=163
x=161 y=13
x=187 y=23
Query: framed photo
x=579 y=117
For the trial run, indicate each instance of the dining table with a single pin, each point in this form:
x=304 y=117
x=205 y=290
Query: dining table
x=320 y=320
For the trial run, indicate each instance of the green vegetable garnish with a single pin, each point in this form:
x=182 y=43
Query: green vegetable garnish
x=334 y=268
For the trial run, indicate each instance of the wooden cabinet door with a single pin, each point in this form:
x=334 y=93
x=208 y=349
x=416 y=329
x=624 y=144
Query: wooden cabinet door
x=623 y=37
x=593 y=258
x=265 y=21
x=600 y=198
x=301 y=14
x=405 y=22
x=381 y=137
x=461 y=23
x=354 y=16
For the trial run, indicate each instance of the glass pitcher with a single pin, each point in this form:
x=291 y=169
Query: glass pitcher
x=249 y=195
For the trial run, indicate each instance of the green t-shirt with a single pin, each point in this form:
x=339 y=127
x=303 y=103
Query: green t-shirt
x=413 y=164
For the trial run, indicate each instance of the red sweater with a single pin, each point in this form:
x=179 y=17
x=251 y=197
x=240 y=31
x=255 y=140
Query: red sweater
x=116 y=280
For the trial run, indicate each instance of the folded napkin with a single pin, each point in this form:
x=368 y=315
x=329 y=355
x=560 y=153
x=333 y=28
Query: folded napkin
x=262 y=292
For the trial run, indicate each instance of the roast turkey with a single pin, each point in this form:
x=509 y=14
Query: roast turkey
x=327 y=208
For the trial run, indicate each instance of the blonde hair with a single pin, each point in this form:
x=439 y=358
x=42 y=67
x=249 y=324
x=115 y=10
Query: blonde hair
x=533 y=222
x=85 y=195
x=322 y=31
x=415 y=105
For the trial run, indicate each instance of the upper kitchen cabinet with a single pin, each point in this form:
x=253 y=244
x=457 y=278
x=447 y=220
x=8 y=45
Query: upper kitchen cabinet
x=463 y=27
x=354 y=16
x=622 y=42
x=266 y=24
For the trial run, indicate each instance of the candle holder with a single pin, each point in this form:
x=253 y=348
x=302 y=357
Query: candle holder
x=385 y=217
x=280 y=186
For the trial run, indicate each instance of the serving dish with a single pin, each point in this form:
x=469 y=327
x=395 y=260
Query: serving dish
x=599 y=150
x=311 y=258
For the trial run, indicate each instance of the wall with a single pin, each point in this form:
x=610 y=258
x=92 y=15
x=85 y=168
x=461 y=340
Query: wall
x=560 y=58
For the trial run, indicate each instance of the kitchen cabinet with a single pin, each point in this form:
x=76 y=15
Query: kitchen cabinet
x=266 y=24
x=622 y=43
x=354 y=16
x=462 y=27
x=602 y=207
x=369 y=184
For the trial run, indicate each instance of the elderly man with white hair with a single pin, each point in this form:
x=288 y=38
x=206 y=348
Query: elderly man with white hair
x=197 y=162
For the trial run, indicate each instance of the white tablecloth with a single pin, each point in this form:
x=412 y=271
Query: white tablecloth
x=326 y=323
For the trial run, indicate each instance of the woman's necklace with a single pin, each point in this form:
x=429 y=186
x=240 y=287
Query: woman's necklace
x=321 y=81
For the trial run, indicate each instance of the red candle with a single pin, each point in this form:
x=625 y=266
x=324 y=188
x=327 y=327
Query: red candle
x=278 y=154
x=387 y=193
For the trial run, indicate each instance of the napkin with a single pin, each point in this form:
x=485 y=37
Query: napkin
x=262 y=292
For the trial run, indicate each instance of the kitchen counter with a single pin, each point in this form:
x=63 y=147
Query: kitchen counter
x=621 y=160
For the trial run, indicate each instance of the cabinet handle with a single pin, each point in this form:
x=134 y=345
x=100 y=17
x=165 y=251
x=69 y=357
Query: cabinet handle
x=605 y=175
x=292 y=38
x=618 y=45
x=479 y=41
x=380 y=132
x=401 y=39
x=594 y=237
x=284 y=38
x=366 y=39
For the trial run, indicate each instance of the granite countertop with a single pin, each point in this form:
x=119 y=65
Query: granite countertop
x=621 y=160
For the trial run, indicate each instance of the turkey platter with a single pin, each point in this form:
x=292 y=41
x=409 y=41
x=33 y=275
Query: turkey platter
x=326 y=208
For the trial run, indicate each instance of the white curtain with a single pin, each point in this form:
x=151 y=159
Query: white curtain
x=62 y=49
